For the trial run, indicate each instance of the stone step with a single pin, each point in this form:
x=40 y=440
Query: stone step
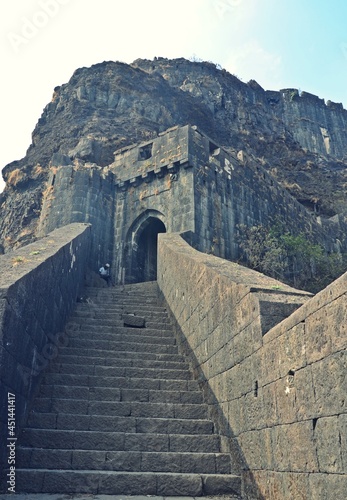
x=116 y=313
x=92 y=324
x=114 y=309
x=120 y=338
x=115 y=320
x=118 y=411
x=110 y=305
x=130 y=307
x=109 y=358
x=122 y=408
x=56 y=439
x=92 y=337
x=130 y=461
x=120 y=382
x=132 y=483
x=73 y=421
x=121 y=347
x=112 y=357
x=121 y=296
x=119 y=394
x=125 y=291
x=121 y=371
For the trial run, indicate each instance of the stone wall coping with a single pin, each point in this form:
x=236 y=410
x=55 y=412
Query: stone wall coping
x=240 y=275
x=256 y=282
x=17 y=263
x=331 y=293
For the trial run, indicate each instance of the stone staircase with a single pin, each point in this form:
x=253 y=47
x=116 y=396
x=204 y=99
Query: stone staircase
x=118 y=411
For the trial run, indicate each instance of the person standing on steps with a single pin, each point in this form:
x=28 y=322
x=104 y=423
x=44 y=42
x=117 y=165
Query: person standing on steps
x=105 y=274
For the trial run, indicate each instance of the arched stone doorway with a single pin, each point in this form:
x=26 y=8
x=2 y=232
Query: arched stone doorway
x=142 y=246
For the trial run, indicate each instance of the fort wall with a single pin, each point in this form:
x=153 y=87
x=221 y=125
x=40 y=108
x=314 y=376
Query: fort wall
x=186 y=181
x=316 y=125
x=39 y=285
x=276 y=390
x=230 y=191
x=81 y=195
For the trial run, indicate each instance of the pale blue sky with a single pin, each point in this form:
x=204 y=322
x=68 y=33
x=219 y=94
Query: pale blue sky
x=279 y=43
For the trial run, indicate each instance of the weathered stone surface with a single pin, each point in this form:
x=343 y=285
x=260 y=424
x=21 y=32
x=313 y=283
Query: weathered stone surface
x=36 y=312
x=134 y=321
x=296 y=486
x=285 y=401
x=330 y=392
x=196 y=93
x=152 y=447
x=220 y=485
x=172 y=484
x=329 y=445
x=325 y=487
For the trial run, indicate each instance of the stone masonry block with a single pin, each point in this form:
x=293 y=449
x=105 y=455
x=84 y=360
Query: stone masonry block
x=343 y=435
x=123 y=461
x=244 y=343
x=291 y=349
x=326 y=329
x=286 y=399
x=50 y=459
x=98 y=440
x=329 y=381
x=160 y=462
x=270 y=368
x=87 y=460
x=296 y=486
x=253 y=409
x=327 y=486
x=221 y=485
x=319 y=330
x=301 y=455
x=327 y=435
x=29 y=481
x=252 y=444
x=304 y=393
x=175 y=485
x=259 y=484
x=113 y=483
x=72 y=482
x=134 y=321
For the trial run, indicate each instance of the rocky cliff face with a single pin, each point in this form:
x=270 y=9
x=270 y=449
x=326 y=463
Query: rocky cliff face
x=298 y=138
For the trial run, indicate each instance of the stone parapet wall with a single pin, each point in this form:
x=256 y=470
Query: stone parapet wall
x=83 y=195
x=141 y=161
x=277 y=391
x=39 y=285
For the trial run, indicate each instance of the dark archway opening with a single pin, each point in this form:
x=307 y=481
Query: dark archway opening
x=148 y=249
x=144 y=253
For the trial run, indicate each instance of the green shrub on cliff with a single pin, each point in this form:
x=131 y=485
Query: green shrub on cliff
x=288 y=258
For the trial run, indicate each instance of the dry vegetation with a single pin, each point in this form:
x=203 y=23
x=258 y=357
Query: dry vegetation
x=15 y=177
x=38 y=170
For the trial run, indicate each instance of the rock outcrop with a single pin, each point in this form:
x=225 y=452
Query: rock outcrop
x=301 y=140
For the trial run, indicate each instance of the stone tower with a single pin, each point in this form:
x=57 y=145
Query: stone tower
x=181 y=182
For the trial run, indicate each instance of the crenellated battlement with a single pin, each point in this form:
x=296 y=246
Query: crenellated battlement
x=140 y=162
